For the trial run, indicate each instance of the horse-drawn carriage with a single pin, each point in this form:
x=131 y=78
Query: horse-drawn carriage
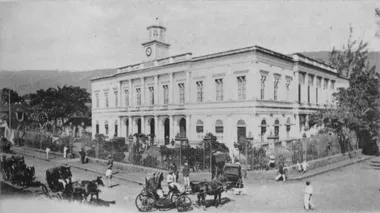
x=15 y=170
x=59 y=181
x=5 y=145
x=149 y=199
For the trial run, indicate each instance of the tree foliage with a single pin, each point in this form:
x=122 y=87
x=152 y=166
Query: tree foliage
x=15 y=97
x=358 y=106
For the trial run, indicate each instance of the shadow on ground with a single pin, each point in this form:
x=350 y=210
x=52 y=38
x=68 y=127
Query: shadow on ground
x=210 y=202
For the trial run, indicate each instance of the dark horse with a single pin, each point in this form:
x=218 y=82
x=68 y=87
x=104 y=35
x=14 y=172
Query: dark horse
x=215 y=187
x=83 y=189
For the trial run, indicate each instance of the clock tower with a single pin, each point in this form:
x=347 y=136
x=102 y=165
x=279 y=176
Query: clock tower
x=156 y=47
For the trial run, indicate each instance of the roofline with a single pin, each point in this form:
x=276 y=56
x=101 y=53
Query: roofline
x=312 y=59
x=157 y=26
x=159 y=42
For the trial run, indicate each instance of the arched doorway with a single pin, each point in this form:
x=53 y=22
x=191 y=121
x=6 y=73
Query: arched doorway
x=241 y=130
x=182 y=127
x=167 y=130
x=138 y=123
x=151 y=124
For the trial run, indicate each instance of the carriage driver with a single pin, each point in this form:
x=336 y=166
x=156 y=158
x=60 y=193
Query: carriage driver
x=170 y=179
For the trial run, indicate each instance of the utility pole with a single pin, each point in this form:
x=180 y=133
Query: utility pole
x=9 y=104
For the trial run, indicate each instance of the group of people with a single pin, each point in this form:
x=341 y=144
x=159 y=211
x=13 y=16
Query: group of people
x=172 y=179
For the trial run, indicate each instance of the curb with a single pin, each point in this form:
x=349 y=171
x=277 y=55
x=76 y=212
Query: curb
x=331 y=169
x=114 y=176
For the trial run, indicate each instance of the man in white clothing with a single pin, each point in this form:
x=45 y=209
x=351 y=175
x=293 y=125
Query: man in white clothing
x=170 y=179
x=304 y=166
x=65 y=151
x=307 y=197
x=47 y=153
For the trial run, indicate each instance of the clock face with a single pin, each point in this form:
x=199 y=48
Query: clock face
x=148 y=51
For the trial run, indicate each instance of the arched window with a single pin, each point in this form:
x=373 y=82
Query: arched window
x=106 y=127
x=219 y=126
x=199 y=126
x=263 y=127
x=276 y=127
x=97 y=127
x=288 y=124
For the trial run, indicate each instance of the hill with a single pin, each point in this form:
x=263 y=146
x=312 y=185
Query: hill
x=31 y=80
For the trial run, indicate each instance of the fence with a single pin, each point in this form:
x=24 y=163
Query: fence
x=293 y=151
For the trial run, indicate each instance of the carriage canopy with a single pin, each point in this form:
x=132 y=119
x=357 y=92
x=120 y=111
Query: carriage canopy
x=153 y=181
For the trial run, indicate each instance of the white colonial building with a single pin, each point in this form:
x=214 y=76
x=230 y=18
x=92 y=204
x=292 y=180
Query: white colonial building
x=229 y=94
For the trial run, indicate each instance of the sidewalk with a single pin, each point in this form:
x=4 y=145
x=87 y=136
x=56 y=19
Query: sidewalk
x=139 y=178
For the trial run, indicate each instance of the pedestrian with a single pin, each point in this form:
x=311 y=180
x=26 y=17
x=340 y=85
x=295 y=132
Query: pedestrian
x=170 y=179
x=304 y=166
x=281 y=172
x=82 y=155
x=299 y=167
x=47 y=152
x=109 y=170
x=186 y=174
x=307 y=198
x=65 y=151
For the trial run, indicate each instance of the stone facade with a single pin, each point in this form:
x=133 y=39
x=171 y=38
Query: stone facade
x=229 y=94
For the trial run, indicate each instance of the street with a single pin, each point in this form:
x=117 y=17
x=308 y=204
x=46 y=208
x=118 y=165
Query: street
x=349 y=189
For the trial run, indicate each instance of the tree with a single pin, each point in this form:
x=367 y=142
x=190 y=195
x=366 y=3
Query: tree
x=358 y=106
x=15 y=98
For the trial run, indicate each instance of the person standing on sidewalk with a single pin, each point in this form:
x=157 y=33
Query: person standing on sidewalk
x=307 y=197
x=65 y=151
x=109 y=170
x=281 y=172
x=304 y=166
x=186 y=174
x=47 y=152
x=82 y=155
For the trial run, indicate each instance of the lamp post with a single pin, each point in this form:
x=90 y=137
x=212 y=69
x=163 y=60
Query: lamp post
x=304 y=139
x=249 y=140
x=207 y=139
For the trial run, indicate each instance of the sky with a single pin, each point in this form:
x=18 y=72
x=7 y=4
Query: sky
x=87 y=35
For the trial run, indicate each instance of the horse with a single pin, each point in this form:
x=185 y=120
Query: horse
x=83 y=189
x=56 y=175
x=215 y=187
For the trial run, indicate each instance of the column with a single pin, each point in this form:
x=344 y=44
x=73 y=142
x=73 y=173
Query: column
x=327 y=92
x=130 y=95
x=156 y=92
x=120 y=133
x=130 y=126
x=156 y=128
x=172 y=132
x=142 y=124
x=187 y=88
x=188 y=126
x=171 y=88
x=142 y=92
x=120 y=102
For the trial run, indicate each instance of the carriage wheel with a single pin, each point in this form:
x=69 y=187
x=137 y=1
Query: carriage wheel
x=174 y=197
x=183 y=203
x=145 y=202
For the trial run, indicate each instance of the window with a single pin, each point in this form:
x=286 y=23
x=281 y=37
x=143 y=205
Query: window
x=166 y=94
x=126 y=93
x=276 y=127
x=275 y=89
x=319 y=85
x=219 y=126
x=181 y=93
x=151 y=94
x=263 y=127
x=301 y=82
x=262 y=88
x=326 y=82
x=116 y=128
x=155 y=33
x=138 y=96
x=288 y=124
x=116 y=98
x=219 y=89
x=97 y=100
x=106 y=127
x=106 y=98
x=97 y=127
x=310 y=84
x=333 y=85
x=199 y=91
x=199 y=126
x=241 y=88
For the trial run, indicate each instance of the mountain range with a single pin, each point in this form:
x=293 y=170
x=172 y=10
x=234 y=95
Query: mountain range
x=28 y=81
